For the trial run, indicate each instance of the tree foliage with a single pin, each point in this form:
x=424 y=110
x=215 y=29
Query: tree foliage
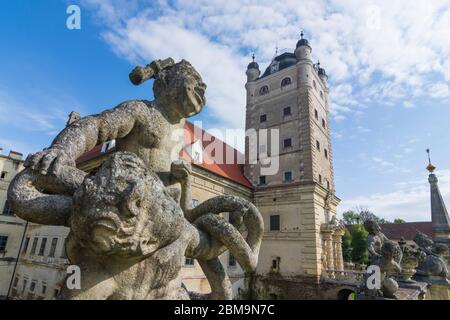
x=359 y=251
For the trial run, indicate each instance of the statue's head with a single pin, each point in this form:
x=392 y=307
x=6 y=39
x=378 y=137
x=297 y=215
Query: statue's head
x=179 y=89
x=389 y=249
x=125 y=210
x=440 y=249
x=372 y=226
x=422 y=240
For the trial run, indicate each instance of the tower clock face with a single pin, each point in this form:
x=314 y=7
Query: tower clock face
x=274 y=67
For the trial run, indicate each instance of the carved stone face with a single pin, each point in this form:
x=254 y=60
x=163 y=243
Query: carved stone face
x=114 y=212
x=372 y=227
x=180 y=90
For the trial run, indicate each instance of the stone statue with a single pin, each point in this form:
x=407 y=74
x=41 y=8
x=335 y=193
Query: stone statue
x=411 y=256
x=132 y=223
x=375 y=241
x=388 y=268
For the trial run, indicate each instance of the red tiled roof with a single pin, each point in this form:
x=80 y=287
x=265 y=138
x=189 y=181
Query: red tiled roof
x=406 y=230
x=233 y=171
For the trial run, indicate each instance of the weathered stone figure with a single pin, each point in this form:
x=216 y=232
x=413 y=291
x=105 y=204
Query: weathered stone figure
x=129 y=231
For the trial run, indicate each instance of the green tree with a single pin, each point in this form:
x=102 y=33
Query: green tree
x=351 y=217
x=347 y=246
x=398 y=220
x=359 y=251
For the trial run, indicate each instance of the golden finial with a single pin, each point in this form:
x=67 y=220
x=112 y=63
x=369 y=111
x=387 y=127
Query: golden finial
x=430 y=167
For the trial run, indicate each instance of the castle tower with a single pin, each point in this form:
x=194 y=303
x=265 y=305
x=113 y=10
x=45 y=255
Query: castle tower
x=290 y=101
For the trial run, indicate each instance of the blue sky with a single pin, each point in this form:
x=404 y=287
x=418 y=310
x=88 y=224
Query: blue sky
x=388 y=64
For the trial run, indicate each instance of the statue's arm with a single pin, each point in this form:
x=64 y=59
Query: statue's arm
x=86 y=133
x=370 y=246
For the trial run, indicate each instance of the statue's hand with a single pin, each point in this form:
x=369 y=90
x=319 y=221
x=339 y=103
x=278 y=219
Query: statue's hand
x=49 y=161
x=181 y=169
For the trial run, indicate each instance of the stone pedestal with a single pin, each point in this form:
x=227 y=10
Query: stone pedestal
x=328 y=247
x=437 y=292
x=338 y=259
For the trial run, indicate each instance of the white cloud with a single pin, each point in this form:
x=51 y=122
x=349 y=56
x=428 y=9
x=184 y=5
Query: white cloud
x=439 y=90
x=410 y=201
x=385 y=51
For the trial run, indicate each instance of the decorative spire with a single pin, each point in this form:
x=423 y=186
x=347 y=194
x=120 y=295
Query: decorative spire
x=301 y=34
x=253 y=57
x=430 y=167
x=439 y=215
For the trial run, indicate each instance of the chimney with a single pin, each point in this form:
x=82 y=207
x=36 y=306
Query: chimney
x=73 y=116
x=15 y=155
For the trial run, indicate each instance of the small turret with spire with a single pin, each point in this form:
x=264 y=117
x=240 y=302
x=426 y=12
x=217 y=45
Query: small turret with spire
x=303 y=49
x=439 y=215
x=253 y=72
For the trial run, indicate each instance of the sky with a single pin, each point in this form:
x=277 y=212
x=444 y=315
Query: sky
x=388 y=64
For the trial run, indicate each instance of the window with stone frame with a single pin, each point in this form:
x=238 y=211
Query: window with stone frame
x=189 y=262
x=263 y=118
x=53 y=247
x=316 y=114
x=285 y=82
x=42 y=248
x=326 y=153
x=3 y=243
x=262 y=180
x=231 y=260
x=275 y=223
x=263 y=90
x=3 y=175
x=288 y=176
x=287 y=143
x=25 y=245
x=318 y=145
x=323 y=123
x=7 y=210
x=34 y=246
x=287 y=112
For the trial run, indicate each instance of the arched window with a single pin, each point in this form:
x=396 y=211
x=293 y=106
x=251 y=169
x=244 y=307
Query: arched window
x=286 y=81
x=321 y=94
x=317 y=145
x=314 y=84
x=264 y=90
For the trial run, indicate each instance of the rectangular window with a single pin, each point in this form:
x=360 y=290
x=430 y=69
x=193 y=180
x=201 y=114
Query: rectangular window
x=320 y=178
x=276 y=264
x=53 y=247
x=288 y=176
x=3 y=242
x=42 y=248
x=287 y=143
x=316 y=114
x=263 y=118
x=189 y=262
x=63 y=251
x=262 y=180
x=33 y=285
x=55 y=293
x=25 y=246
x=323 y=123
x=328 y=185
x=274 y=223
x=44 y=288
x=34 y=245
x=24 y=286
x=326 y=153
x=231 y=260
x=287 y=111
x=318 y=145
x=7 y=210
x=16 y=282
x=3 y=175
